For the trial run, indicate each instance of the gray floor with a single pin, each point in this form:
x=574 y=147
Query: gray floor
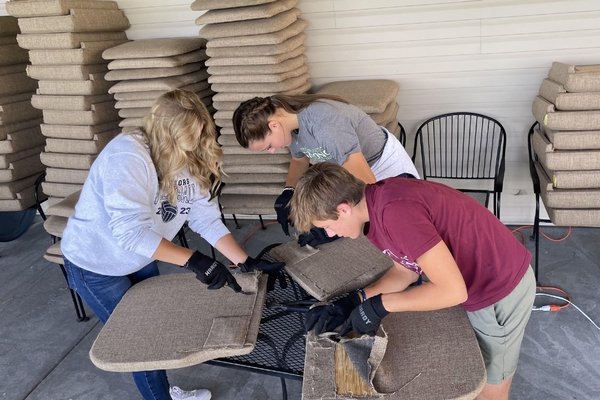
x=44 y=351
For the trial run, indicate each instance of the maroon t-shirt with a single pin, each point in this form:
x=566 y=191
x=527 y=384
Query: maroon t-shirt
x=410 y=216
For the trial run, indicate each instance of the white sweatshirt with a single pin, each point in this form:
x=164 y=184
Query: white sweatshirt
x=120 y=217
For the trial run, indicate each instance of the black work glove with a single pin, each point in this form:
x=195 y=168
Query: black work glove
x=326 y=318
x=211 y=272
x=365 y=318
x=282 y=209
x=316 y=237
x=274 y=270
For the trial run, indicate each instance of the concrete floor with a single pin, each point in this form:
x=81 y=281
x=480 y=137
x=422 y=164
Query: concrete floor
x=44 y=351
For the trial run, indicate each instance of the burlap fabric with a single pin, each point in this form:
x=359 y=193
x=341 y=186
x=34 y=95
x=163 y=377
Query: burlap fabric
x=174 y=321
x=245 y=13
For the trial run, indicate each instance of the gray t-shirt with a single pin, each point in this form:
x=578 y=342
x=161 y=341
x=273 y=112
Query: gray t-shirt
x=332 y=131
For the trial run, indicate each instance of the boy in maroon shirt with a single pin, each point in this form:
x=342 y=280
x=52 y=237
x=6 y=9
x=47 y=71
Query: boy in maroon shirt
x=468 y=256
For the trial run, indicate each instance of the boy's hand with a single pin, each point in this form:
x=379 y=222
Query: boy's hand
x=274 y=270
x=366 y=318
x=316 y=237
x=211 y=272
x=282 y=209
x=327 y=317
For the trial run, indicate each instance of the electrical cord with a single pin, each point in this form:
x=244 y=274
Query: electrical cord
x=517 y=231
x=549 y=307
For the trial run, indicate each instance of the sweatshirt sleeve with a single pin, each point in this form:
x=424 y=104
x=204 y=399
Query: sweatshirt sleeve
x=205 y=220
x=127 y=201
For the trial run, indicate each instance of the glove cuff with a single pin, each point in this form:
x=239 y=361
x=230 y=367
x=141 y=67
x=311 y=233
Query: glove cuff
x=195 y=258
x=288 y=188
x=377 y=303
x=246 y=266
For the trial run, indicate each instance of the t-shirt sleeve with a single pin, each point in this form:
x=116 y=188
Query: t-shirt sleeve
x=338 y=137
x=125 y=193
x=412 y=230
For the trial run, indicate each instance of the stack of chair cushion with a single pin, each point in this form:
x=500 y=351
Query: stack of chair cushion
x=21 y=140
x=254 y=51
x=145 y=69
x=65 y=39
x=376 y=97
x=56 y=223
x=568 y=144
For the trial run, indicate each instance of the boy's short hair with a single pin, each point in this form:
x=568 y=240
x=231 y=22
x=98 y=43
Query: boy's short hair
x=319 y=192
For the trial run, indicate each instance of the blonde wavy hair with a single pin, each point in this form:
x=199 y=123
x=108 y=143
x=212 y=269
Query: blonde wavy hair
x=180 y=133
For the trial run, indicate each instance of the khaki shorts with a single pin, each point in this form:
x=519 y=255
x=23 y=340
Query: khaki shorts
x=500 y=328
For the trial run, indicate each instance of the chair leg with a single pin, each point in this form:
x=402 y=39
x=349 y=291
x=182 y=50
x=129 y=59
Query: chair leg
x=77 y=302
x=237 y=224
x=262 y=223
x=536 y=236
x=498 y=205
x=283 y=389
x=182 y=239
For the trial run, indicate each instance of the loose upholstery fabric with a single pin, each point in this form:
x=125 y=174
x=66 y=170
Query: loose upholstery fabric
x=334 y=268
x=208 y=324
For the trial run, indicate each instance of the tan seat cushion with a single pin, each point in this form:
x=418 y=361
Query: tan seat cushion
x=59 y=189
x=257 y=60
x=566 y=198
x=7 y=159
x=131 y=122
x=415 y=363
x=5 y=130
x=13 y=113
x=66 y=175
x=576 y=78
x=262 y=50
x=250 y=27
x=77 y=131
x=334 y=268
x=69 y=161
x=166 y=84
x=152 y=48
x=78 y=20
x=284 y=66
x=95 y=85
x=574 y=140
x=160 y=62
x=82 y=103
x=252 y=189
x=22 y=168
x=388 y=115
x=65 y=72
x=563 y=160
x=259 y=78
x=55 y=225
x=256 y=178
x=64 y=208
x=288 y=84
x=546 y=114
x=47 y=41
x=89 y=53
x=9 y=25
x=11 y=69
x=248 y=95
x=245 y=13
x=75 y=146
x=18 y=83
x=247 y=204
x=11 y=190
x=22 y=140
x=98 y=114
x=372 y=96
x=134 y=112
x=271 y=38
x=199 y=5
x=24 y=199
x=12 y=54
x=152 y=73
x=208 y=324
x=574 y=217
x=45 y=8
x=556 y=93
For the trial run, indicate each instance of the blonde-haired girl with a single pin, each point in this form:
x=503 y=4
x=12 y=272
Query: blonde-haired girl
x=140 y=191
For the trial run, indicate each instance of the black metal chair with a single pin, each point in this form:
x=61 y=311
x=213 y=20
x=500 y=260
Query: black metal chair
x=464 y=146
x=402 y=137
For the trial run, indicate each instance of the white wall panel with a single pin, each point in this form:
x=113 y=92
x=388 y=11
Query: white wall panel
x=486 y=56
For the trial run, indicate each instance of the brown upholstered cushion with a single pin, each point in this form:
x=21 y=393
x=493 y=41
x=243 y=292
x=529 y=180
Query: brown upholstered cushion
x=566 y=198
x=22 y=140
x=75 y=146
x=12 y=54
x=245 y=96
x=574 y=140
x=252 y=188
x=251 y=27
x=84 y=103
x=7 y=129
x=4 y=40
x=13 y=113
x=66 y=175
x=12 y=84
x=12 y=69
x=78 y=20
x=55 y=225
x=151 y=73
x=89 y=53
x=210 y=324
x=258 y=78
x=334 y=268
x=372 y=96
x=227 y=131
x=9 y=26
x=247 y=204
x=160 y=62
x=7 y=159
x=166 y=84
x=576 y=78
x=388 y=115
x=24 y=199
x=257 y=60
x=95 y=85
x=199 y=5
x=22 y=168
x=46 y=41
x=9 y=191
x=64 y=72
x=574 y=217
x=69 y=161
x=416 y=363
x=263 y=50
x=245 y=13
x=256 y=178
x=285 y=66
x=288 y=84
x=52 y=256
x=576 y=179
x=133 y=112
x=260 y=40
x=564 y=160
x=152 y=48
x=255 y=158
x=66 y=207
x=131 y=122
x=58 y=189
x=77 y=131
x=545 y=113
x=555 y=93
x=239 y=150
x=226 y=105
x=98 y=114
x=45 y=8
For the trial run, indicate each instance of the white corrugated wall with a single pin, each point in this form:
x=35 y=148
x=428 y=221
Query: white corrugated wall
x=486 y=56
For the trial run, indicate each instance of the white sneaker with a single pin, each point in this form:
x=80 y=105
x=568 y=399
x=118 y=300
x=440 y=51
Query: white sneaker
x=198 y=394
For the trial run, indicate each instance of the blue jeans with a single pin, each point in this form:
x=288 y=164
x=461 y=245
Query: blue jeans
x=102 y=293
